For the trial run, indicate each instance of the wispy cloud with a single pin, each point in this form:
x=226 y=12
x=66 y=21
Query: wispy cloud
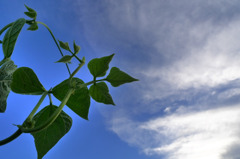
x=213 y=63
x=206 y=134
x=193 y=42
x=186 y=54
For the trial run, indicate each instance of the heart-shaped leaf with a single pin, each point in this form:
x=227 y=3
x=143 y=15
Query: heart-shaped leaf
x=11 y=36
x=25 y=81
x=99 y=66
x=100 y=93
x=48 y=137
x=6 y=72
x=79 y=102
x=117 y=77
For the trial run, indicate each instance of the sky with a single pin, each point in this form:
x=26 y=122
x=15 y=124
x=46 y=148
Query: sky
x=185 y=54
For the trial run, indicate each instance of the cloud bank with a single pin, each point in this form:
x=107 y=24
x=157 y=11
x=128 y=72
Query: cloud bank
x=205 y=134
x=186 y=54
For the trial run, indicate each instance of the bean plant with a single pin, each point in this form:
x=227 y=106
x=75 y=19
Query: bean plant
x=50 y=124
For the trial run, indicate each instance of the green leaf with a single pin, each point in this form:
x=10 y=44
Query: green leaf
x=100 y=93
x=117 y=77
x=29 y=9
x=6 y=72
x=31 y=14
x=99 y=66
x=33 y=26
x=11 y=36
x=65 y=59
x=76 y=48
x=25 y=81
x=79 y=102
x=64 y=45
x=47 y=138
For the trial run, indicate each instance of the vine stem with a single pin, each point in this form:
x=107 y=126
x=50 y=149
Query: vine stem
x=5 y=28
x=4 y=60
x=50 y=98
x=81 y=61
x=29 y=118
x=1 y=31
x=77 y=69
x=55 y=43
x=49 y=121
x=91 y=82
x=11 y=138
x=53 y=116
x=56 y=113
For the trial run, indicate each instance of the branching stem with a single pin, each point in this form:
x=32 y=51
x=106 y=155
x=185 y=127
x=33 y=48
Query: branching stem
x=4 y=60
x=91 y=82
x=55 y=43
x=5 y=28
x=11 y=138
x=29 y=118
x=77 y=69
x=81 y=61
x=53 y=116
x=50 y=98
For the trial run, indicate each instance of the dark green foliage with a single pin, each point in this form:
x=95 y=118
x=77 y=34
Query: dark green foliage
x=33 y=26
x=11 y=36
x=48 y=137
x=50 y=124
x=31 y=12
x=76 y=48
x=6 y=72
x=66 y=59
x=64 y=45
x=25 y=81
x=99 y=66
x=79 y=102
x=100 y=93
x=117 y=77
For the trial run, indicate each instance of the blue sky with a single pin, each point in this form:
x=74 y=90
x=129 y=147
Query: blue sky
x=185 y=53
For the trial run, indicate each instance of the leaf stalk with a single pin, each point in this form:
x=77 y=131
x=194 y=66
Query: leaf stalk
x=11 y=138
x=55 y=42
x=5 y=28
x=76 y=70
x=73 y=54
x=52 y=118
x=29 y=118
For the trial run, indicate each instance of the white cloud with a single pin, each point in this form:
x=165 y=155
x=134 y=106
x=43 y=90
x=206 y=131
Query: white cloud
x=196 y=40
x=206 y=134
x=186 y=51
x=186 y=44
x=214 y=62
